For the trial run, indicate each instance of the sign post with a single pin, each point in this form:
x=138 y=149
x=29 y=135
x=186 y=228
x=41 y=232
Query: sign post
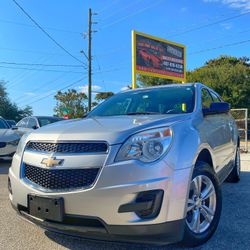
x=153 y=56
x=133 y=60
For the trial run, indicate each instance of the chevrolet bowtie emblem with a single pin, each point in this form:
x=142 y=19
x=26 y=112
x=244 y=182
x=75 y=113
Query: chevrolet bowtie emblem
x=51 y=162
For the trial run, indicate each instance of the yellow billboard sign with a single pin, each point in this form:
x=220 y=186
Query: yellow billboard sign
x=157 y=57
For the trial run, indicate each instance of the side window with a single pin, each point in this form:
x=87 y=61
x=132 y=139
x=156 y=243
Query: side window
x=215 y=97
x=206 y=98
x=31 y=123
x=22 y=123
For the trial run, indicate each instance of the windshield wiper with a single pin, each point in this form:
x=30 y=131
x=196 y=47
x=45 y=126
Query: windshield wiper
x=143 y=113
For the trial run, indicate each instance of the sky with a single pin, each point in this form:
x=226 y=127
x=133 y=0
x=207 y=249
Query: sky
x=208 y=28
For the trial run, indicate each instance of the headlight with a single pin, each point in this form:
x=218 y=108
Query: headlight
x=14 y=143
x=146 y=146
x=21 y=144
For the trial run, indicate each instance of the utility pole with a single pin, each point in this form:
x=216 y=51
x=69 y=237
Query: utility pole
x=90 y=61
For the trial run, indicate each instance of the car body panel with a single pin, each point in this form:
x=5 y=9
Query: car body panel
x=119 y=183
x=31 y=123
x=113 y=129
x=11 y=139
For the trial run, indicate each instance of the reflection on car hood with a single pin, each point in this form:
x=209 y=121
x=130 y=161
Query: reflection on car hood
x=113 y=129
x=7 y=135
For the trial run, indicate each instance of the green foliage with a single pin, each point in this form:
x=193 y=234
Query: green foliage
x=71 y=103
x=147 y=81
x=9 y=110
x=103 y=96
x=227 y=75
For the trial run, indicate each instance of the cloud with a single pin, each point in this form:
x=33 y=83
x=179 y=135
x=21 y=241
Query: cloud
x=183 y=9
x=124 y=88
x=84 y=88
x=29 y=94
x=236 y=4
x=226 y=26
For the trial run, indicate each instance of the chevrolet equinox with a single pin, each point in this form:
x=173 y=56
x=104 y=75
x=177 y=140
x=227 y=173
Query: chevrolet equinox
x=146 y=165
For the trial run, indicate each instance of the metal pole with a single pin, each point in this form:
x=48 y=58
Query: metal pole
x=246 y=130
x=133 y=59
x=89 y=61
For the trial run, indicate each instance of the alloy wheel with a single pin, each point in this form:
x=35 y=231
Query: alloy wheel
x=201 y=205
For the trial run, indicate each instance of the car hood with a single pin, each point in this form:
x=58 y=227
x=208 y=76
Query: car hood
x=7 y=135
x=114 y=130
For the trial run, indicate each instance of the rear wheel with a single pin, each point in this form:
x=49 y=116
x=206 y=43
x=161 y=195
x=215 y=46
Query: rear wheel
x=204 y=206
x=234 y=176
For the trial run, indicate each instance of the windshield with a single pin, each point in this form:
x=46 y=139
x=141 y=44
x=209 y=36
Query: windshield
x=11 y=123
x=3 y=124
x=48 y=120
x=164 y=100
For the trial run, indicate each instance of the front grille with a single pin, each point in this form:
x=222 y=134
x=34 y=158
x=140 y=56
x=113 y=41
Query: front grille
x=59 y=179
x=72 y=147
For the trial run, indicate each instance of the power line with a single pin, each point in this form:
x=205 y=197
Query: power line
x=33 y=26
x=108 y=6
x=121 y=9
x=45 y=32
x=44 y=97
x=43 y=65
x=32 y=51
x=41 y=91
x=223 y=36
x=132 y=14
x=20 y=98
x=210 y=24
x=219 y=47
x=47 y=70
x=97 y=72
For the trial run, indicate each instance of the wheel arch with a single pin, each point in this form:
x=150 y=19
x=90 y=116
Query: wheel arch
x=206 y=156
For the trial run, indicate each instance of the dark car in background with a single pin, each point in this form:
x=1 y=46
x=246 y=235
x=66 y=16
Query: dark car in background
x=11 y=123
x=28 y=124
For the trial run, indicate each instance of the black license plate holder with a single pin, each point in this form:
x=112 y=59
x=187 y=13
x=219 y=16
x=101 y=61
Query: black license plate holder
x=46 y=208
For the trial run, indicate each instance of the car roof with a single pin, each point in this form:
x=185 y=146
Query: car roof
x=195 y=84
x=46 y=116
x=35 y=116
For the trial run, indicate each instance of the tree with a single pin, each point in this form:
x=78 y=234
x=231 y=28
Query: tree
x=103 y=96
x=71 y=103
x=147 y=81
x=100 y=97
x=227 y=75
x=10 y=110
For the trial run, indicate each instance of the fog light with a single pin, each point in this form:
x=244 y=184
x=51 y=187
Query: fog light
x=9 y=186
x=156 y=197
x=146 y=206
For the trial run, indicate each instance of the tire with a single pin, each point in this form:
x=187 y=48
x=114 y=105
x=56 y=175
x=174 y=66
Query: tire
x=234 y=176
x=198 y=207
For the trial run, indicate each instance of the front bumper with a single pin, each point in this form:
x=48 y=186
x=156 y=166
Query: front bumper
x=95 y=228
x=117 y=184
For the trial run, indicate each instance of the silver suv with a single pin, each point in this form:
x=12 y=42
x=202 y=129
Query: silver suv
x=146 y=165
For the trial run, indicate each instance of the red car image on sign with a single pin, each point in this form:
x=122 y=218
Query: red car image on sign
x=157 y=57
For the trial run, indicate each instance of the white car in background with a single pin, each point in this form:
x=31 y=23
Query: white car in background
x=31 y=123
x=8 y=140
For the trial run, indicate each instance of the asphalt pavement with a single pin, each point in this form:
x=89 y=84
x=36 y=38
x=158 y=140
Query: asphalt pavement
x=233 y=231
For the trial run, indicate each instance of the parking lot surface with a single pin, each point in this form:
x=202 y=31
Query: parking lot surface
x=233 y=231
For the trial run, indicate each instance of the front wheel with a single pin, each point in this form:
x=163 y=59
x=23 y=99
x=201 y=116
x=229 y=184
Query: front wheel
x=203 y=206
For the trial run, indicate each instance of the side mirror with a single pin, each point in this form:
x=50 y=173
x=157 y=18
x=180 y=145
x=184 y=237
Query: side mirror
x=14 y=127
x=35 y=127
x=217 y=108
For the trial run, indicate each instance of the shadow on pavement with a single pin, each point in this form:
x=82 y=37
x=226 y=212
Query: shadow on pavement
x=74 y=242
x=234 y=220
